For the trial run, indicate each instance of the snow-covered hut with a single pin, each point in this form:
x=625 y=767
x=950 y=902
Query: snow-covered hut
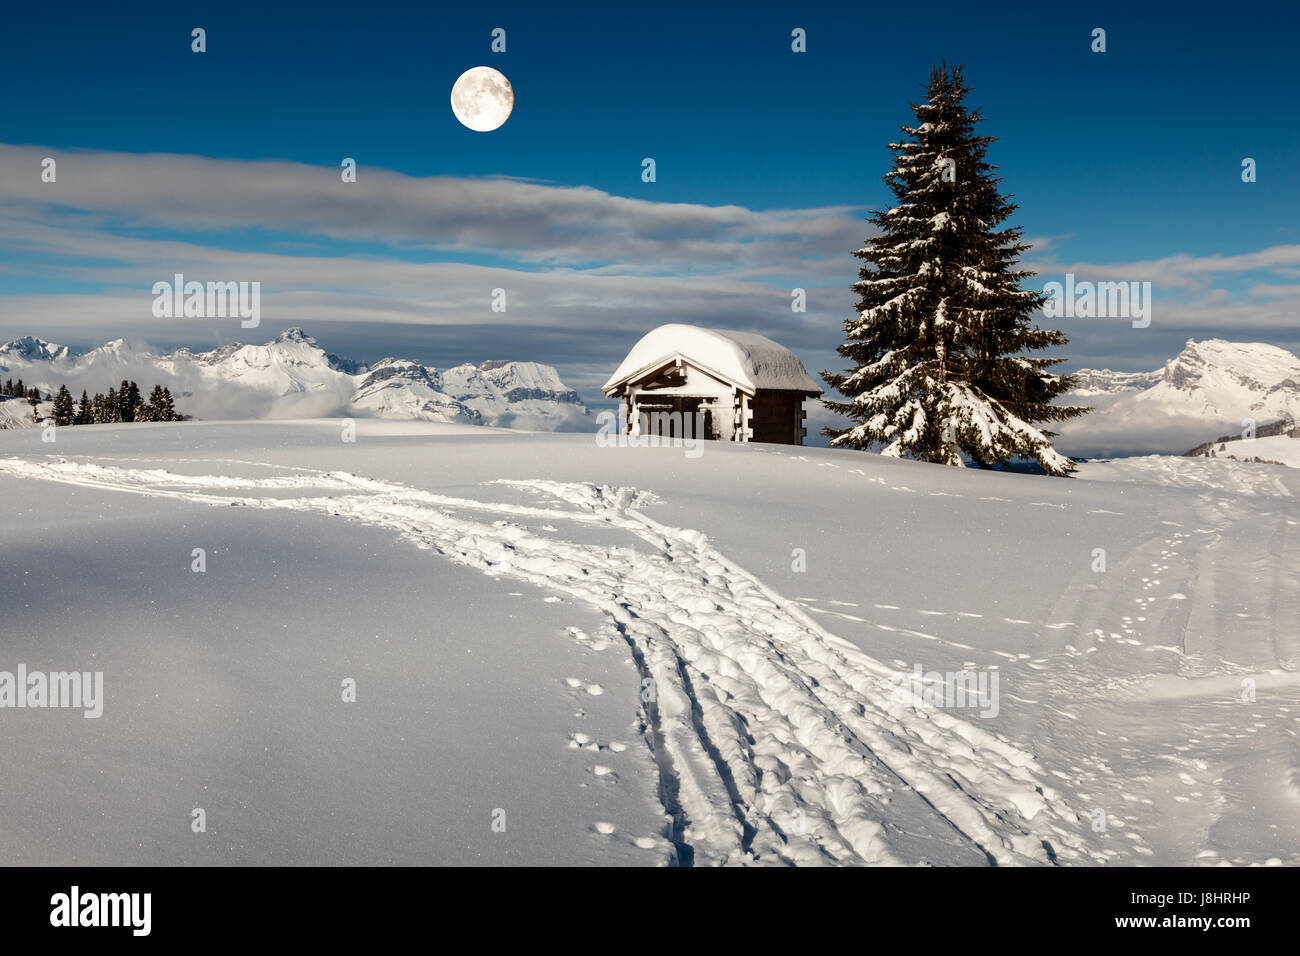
x=746 y=387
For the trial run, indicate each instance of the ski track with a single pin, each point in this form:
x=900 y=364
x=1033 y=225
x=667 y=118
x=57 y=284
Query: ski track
x=1185 y=615
x=776 y=741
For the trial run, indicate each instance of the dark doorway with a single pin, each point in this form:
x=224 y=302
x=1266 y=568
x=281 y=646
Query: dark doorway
x=673 y=416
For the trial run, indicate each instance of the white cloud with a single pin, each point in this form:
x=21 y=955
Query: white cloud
x=528 y=222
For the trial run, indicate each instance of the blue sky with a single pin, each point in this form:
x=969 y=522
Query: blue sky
x=1126 y=165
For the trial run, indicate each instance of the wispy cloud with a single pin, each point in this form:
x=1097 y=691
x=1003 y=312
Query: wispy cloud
x=1180 y=273
x=531 y=223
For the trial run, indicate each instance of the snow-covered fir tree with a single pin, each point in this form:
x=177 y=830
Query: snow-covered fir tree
x=942 y=324
x=128 y=401
x=156 y=410
x=63 y=411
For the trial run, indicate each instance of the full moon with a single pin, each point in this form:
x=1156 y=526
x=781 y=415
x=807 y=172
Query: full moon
x=482 y=98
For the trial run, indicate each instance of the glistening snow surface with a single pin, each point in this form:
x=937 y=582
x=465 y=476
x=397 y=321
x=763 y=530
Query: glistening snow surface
x=502 y=600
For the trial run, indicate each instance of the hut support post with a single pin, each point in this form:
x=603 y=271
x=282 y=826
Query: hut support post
x=744 y=431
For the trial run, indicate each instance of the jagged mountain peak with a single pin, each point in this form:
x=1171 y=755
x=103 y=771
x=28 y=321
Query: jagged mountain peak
x=395 y=368
x=293 y=335
x=1217 y=363
x=33 y=349
x=115 y=351
x=1092 y=381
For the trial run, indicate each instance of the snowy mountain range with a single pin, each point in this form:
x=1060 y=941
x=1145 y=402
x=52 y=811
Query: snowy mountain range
x=1205 y=391
x=292 y=377
x=1210 y=388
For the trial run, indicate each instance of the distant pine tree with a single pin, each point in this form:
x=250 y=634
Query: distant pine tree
x=167 y=410
x=83 y=410
x=154 y=409
x=941 y=320
x=63 y=412
x=113 y=407
x=128 y=401
x=100 y=410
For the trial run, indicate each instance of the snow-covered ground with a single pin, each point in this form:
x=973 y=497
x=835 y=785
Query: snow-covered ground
x=634 y=655
x=1277 y=449
x=17 y=413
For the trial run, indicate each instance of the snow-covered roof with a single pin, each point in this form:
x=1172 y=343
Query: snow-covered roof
x=745 y=359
